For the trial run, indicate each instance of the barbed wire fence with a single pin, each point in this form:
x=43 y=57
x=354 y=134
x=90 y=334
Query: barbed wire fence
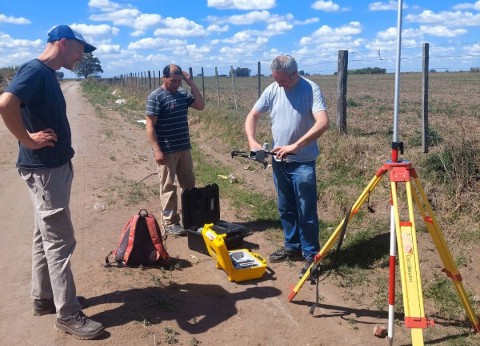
x=150 y=80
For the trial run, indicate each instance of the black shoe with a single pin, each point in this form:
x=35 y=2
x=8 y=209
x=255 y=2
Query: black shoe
x=79 y=326
x=284 y=254
x=305 y=267
x=47 y=306
x=176 y=230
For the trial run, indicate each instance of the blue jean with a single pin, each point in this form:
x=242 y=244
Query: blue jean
x=296 y=186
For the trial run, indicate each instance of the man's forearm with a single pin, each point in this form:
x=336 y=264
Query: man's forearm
x=199 y=102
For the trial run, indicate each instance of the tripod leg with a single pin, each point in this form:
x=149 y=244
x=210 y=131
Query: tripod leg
x=450 y=268
x=409 y=268
x=333 y=238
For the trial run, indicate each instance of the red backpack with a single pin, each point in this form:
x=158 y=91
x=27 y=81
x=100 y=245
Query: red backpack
x=140 y=243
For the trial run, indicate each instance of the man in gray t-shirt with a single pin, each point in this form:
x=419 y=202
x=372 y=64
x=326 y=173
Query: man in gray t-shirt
x=299 y=117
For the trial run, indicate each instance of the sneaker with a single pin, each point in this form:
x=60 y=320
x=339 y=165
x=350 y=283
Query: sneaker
x=79 y=326
x=306 y=265
x=176 y=230
x=47 y=306
x=284 y=254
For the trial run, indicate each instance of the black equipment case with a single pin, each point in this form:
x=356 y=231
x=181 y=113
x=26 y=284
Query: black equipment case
x=200 y=206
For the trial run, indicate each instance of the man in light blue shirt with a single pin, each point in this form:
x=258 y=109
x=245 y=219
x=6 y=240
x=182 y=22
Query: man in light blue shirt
x=298 y=117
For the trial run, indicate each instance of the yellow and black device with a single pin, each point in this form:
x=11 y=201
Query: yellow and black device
x=239 y=265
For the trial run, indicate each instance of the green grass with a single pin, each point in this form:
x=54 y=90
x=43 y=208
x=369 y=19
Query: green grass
x=446 y=300
x=257 y=206
x=128 y=191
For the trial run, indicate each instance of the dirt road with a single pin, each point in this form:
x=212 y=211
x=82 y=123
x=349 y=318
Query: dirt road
x=194 y=304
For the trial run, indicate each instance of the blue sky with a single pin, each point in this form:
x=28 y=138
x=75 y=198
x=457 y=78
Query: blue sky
x=141 y=35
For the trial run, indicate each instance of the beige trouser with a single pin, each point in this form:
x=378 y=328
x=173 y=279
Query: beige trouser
x=53 y=236
x=179 y=165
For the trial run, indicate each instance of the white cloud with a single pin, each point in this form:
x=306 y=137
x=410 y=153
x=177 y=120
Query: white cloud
x=474 y=48
x=239 y=37
x=107 y=49
x=217 y=28
x=442 y=31
x=6 y=41
x=180 y=27
x=306 y=21
x=13 y=20
x=102 y=30
x=194 y=49
x=325 y=31
x=467 y=6
x=327 y=6
x=385 y=6
x=156 y=43
x=389 y=34
x=124 y=17
x=242 y=4
x=249 y=18
x=457 y=18
x=104 y=5
x=147 y=20
x=279 y=27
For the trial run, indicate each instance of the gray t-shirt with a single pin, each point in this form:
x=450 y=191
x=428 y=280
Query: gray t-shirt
x=291 y=113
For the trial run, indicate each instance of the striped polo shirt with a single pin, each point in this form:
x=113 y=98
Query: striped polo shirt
x=172 y=122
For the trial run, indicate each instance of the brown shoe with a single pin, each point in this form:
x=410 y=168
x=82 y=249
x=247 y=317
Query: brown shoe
x=79 y=326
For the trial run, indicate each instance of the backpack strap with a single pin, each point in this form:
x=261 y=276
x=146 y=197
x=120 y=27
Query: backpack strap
x=114 y=263
x=154 y=230
x=131 y=238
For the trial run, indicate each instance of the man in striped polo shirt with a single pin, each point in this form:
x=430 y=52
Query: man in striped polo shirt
x=168 y=133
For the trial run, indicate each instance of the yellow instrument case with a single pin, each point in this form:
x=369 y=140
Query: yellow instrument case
x=239 y=265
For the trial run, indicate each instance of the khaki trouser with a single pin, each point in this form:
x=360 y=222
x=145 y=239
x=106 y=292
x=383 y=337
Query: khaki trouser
x=53 y=236
x=178 y=165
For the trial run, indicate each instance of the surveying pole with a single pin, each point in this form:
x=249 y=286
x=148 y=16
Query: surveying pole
x=396 y=147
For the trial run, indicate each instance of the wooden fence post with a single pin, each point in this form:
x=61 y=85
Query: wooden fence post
x=203 y=85
x=425 y=97
x=149 y=80
x=232 y=73
x=259 y=79
x=342 y=91
x=218 y=92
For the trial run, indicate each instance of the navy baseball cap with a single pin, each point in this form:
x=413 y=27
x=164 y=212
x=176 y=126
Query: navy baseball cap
x=64 y=31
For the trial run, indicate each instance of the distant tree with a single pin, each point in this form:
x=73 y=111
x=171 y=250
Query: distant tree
x=242 y=72
x=88 y=65
x=474 y=69
x=301 y=73
x=369 y=70
x=59 y=74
